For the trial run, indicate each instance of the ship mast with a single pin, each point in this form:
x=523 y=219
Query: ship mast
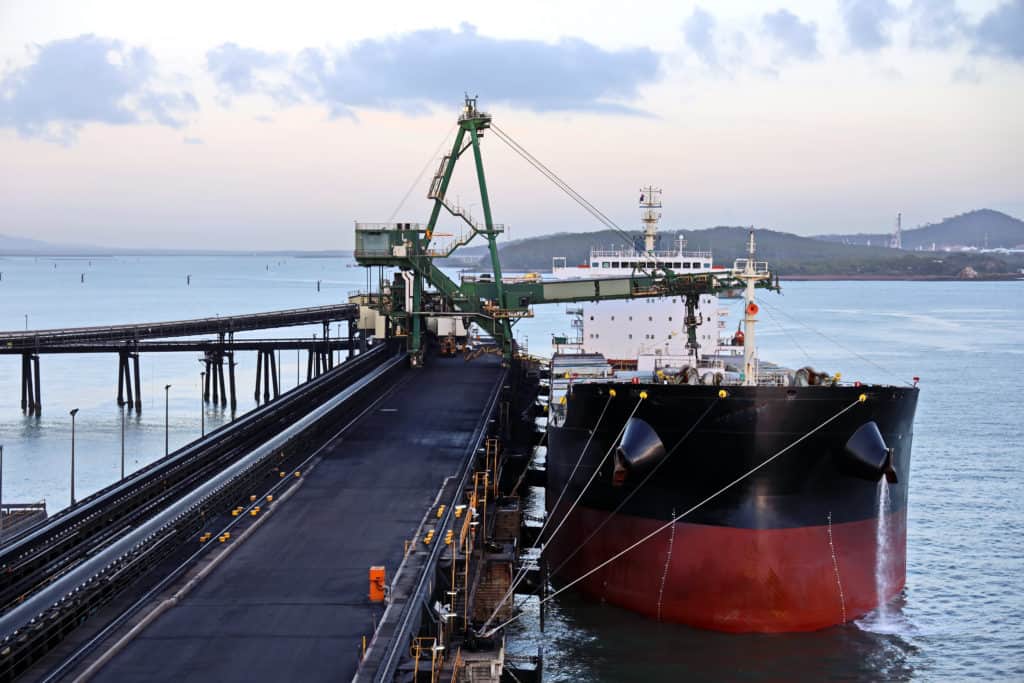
x=749 y=272
x=650 y=202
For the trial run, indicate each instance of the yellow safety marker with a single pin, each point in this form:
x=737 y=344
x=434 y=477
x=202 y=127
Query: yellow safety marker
x=562 y=401
x=440 y=510
x=270 y=498
x=459 y=509
x=298 y=473
x=862 y=398
x=643 y=395
x=611 y=392
x=252 y=498
x=722 y=393
x=448 y=537
x=281 y=474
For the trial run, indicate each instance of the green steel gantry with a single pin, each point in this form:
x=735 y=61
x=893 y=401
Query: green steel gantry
x=492 y=301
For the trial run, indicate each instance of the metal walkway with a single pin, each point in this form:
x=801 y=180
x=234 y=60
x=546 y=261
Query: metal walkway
x=19 y=342
x=290 y=602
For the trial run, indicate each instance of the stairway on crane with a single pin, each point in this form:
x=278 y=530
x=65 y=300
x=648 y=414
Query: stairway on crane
x=290 y=603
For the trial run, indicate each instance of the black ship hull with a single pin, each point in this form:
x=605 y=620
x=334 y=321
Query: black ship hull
x=815 y=537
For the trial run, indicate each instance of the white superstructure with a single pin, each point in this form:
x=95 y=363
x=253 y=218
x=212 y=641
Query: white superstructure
x=649 y=332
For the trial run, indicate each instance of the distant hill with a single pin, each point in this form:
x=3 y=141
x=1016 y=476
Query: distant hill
x=11 y=245
x=981 y=229
x=787 y=253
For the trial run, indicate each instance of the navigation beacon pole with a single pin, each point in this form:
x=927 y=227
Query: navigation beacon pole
x=650 y=202
x=750 y=272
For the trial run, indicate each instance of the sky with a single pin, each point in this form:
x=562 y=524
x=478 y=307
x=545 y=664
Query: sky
x=276 y=125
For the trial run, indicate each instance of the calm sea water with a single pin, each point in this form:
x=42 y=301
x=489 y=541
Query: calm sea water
x=960 y=618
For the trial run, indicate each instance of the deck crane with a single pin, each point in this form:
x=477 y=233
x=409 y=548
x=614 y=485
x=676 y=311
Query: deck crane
x=492 y=301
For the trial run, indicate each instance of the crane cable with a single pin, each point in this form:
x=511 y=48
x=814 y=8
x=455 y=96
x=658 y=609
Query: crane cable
x=561 y=184
x=416 y=182
x=676 y=518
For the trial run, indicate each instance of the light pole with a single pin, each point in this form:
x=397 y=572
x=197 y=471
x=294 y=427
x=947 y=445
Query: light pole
x=122 y=441
x=167 y=419
x=73 y=413
x=202 y=407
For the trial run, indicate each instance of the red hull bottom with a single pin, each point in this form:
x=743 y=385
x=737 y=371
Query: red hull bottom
x=737 y=580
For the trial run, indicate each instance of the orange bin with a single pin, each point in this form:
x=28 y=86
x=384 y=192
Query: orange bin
x=377 y=583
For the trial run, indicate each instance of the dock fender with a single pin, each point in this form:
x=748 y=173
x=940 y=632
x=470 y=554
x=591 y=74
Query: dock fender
x=867 y=451
x=638 y=451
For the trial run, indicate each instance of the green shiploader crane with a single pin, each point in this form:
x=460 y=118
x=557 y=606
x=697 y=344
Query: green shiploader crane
x=493 y=302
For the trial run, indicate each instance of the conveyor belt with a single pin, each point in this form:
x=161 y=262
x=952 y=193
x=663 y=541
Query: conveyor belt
x=20 y=341
x=31 y=559
x=291 y=602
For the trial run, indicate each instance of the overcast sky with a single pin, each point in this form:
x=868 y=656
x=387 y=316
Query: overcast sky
x=278 y=124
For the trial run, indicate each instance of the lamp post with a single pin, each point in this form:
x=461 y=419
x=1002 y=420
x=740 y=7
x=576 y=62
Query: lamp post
x=122 y=441
x=202 y=407
x=167 y=419
x=73 y=413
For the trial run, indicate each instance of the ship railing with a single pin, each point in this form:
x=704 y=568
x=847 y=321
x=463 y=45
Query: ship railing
x=740 y=265
x=662 y=253
x=773 y=378
x=376 y=227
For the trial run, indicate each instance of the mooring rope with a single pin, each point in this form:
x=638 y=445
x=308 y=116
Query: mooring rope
x=654 y=470
x=860 y=399
x=522 y=477
x=835 y=567
x=523 y=571
x=668 y=563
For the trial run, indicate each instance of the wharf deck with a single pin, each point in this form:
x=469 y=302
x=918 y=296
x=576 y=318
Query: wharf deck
x=290 y=603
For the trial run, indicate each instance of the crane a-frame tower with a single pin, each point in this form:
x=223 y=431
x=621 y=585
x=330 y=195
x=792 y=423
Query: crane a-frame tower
x=494 y=302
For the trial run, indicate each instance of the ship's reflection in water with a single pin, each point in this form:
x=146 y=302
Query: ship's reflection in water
x=586 y=641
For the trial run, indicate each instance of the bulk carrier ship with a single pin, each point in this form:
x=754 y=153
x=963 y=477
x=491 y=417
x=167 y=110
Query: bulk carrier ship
x=694 y=483
x=689 y=480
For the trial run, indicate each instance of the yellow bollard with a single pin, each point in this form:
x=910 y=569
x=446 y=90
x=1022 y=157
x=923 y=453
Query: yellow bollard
x=722 y=393
x=440 y=510
x=270 y=499
x=252 y=498
x=298 y=473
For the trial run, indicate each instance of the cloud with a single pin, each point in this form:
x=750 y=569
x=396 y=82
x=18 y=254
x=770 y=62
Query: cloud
x=966 y=73
x=935 y=24
x=699 y=33
x=88 y=79
x=243 y=71
x=192 y=141
x=796 y=39
x=415 y=70
x=1000 y=33
x=865 y=22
